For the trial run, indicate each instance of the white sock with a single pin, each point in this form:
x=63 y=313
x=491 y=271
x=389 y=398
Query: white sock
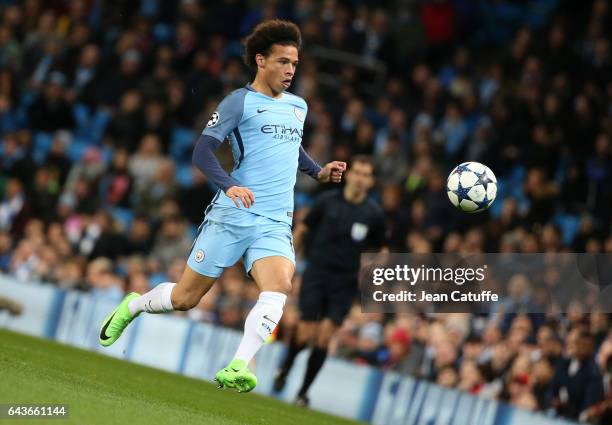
x=157 y=300
x=260 y=323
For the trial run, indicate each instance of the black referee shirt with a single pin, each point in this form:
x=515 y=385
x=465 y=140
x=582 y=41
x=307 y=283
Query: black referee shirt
x=339 y=231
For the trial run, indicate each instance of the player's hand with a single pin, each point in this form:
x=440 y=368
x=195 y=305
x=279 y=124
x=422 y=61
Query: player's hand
x=332 y=172
x=237 y=194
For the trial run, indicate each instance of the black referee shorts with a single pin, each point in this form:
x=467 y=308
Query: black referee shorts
x=325 y=294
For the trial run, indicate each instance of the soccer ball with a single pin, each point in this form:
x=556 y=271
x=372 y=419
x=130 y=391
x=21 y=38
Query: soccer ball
x=471 y=187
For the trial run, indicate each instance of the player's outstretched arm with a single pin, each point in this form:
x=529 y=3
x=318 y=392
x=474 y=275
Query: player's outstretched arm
x=332 y=172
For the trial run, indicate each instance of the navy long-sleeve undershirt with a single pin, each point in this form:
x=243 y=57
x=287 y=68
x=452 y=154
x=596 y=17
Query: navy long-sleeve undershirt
x=308 y=165
x=206 y=161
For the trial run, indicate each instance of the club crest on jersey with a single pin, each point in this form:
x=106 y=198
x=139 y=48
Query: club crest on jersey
x=199 y=256
x=214 y=119
x=359 y=231
x=298 y=114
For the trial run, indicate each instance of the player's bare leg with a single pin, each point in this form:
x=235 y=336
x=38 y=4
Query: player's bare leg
x=273 y=276
x=190 y=289
x=164 y=298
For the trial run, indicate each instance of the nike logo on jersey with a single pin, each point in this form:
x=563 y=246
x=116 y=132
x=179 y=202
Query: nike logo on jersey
x=259 y=111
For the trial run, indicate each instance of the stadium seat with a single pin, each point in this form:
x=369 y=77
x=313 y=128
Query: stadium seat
x=569 y=225
x=192 y=231
x=76 y=149
x=81 y=117
x=98 y=125
x=516 y=180
x=107 y=155
x=162 y=33
x=157 y=278
x=496 y=208
x=41 y=143
x=302 y=200
x=184 y=175
x=181 y=144
x=124 y=216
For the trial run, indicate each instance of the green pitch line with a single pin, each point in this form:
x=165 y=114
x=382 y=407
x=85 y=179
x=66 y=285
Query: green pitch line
x=107 y=391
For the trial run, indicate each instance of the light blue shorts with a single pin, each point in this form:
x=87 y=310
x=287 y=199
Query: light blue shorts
x=228 y=234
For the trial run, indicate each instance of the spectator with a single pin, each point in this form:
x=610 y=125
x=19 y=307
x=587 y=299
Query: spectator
x=163 y=186
x=15 y=210
x=140 y=237
x=124 y=78
x=104 y=283
x=6 y=245
x=172 y=242
x=145 y=164
x=51 y=112
x=127 y=126
x=45 y=194
x=192 y=199
x=577 y=384
x=117 y=184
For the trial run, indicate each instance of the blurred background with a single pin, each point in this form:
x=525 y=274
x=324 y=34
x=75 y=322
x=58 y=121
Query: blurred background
x=101 y=103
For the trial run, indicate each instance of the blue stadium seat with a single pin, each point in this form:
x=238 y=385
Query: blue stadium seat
x=157 y=278
x=516 y=180
x=124 y=216
x=42 y=143
x=302 y=200
x=162 y=33
x=107 y=155
x=181 y=144
x=77 y=148
x=192 y=231
x=502 y=194
x=184 y=176
x=90 y=125
x=98 y=125
x=569 y=225
x=81 y=117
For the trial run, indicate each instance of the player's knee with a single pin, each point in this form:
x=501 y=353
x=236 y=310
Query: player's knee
x=323 y=340
x=306 y=332
x=281 y=285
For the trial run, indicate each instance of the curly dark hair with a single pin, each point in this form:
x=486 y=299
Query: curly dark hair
x=268 y=33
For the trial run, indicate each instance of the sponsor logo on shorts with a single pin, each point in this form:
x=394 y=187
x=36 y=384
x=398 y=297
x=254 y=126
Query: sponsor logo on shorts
x=199 y=256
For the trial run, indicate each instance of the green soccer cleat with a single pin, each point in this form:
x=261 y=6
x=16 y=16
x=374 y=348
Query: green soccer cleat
x=236 y=375
x=117 y=321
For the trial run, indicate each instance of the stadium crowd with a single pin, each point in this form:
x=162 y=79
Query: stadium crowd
x=101 y=102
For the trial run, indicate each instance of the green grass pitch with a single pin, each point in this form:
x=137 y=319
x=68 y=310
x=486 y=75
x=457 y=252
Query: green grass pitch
x=106 y=391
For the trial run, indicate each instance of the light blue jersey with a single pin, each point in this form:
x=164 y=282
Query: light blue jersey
x=265 y=134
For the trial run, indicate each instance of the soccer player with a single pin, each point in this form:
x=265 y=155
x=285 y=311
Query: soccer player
x=340 y=226
x=251 y=214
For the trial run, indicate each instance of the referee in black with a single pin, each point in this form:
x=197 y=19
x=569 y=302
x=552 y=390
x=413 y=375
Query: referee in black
x=339 y=227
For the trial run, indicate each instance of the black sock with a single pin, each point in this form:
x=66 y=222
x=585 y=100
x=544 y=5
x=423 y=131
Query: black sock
x=315 y=362
x=292 y=352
